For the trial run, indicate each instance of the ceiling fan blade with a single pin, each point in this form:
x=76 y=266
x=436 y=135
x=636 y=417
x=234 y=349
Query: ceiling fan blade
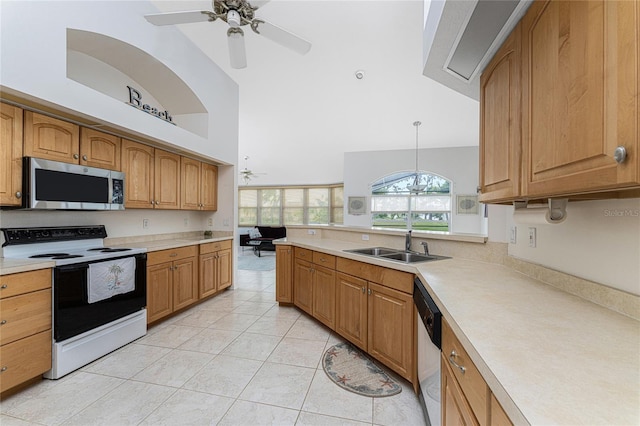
x=256 y=4
x=186 y=17
x=281 y=36
x=237 y=53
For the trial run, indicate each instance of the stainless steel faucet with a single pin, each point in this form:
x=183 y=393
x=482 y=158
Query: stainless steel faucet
x=425 y=245
x=407 y=241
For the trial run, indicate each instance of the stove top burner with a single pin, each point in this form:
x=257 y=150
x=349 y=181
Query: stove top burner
x=108 y=249
x=67 y=256
x=37 y=256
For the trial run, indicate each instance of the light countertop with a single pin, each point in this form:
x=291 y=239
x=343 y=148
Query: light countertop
x=548 y=356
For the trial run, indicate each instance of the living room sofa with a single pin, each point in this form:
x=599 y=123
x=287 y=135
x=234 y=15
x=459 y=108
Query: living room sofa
x=261 y=238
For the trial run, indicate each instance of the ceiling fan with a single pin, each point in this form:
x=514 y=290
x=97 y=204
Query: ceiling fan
x=236 y=13
x=246 y=175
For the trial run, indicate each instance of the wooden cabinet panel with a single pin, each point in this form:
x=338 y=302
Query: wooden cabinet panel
x=159 y=291
x=397 y=280
x=98 y=149
x=50 y=138
x=161 y=256
x=351 y=309
x=284 y=274
x=580 y=93
x=500 y=112
x=323 y=259
x=190 y=184
x=24 y=282
x=390 y=334
x=215 y=246
x=185 y=282
x=138 y=165
x=216 y=267
x=25 y=359
x=455 y=409
x=11 y=121
x=209 y=187
x=303 y=285
x=208 y=272
x=304 y=254
x=225 y=269
x=25 y=315
x=324 y=295
x=498 y=416
x=167 y=180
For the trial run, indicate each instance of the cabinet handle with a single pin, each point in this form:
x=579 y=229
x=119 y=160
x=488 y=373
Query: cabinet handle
x=18 y=194
x=173 y=254
x=3 y=369
x=152 y=202
x=3 y=322
x=84 y=158
x=620 y=154
x=362 y=290
x=3 y=286
x=451 y=357
x=369 y=292
x=478 y=189
x=76 y=156
x=157 y=202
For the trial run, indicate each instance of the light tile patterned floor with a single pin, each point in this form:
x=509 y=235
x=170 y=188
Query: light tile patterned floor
x=237 y=359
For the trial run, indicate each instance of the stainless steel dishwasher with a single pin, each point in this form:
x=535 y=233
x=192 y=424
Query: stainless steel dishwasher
x=429 y=346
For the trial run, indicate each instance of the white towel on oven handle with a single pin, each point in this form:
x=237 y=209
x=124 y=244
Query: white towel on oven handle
x=106 y=279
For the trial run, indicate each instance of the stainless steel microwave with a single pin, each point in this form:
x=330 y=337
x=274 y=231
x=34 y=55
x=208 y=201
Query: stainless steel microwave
x=62 y=186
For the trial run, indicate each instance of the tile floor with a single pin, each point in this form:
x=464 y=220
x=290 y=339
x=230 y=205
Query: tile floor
x=237 y=359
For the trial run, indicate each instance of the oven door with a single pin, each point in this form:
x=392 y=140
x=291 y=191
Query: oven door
x=74 y=312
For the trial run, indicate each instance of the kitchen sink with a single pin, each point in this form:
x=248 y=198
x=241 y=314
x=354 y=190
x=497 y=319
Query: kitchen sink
x=396 y=255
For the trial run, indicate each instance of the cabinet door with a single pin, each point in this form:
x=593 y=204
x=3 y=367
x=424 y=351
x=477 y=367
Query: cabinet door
x=324 y=295
x=284 y=274
x=25 y=359
x=303 y=286
x=138 y=166
x=209 y=187
x=391 y=322
x=24 y=315
x=351 y=309
x=225 y=269
x=167 y=180
x=50 y=138
x=455 y=409
x=99 y=149
x=10 y=155
x=159 y=291
x=208 y=271
x=500 y=111
x=498 y=416
x=580 y=96
x=185 y=282
x=190 y=184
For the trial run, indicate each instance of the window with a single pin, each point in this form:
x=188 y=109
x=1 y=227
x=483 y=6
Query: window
x=393 y=204
x=276 y=206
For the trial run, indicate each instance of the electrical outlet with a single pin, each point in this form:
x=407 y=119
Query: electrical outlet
x=225 y=222
x=365 y=237
x=210 y=221
x=532 y=237
x=186 y=221
x=145 y=223
x=311 y=231
x=514 y=232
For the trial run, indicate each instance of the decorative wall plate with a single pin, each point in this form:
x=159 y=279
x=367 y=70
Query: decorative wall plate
x=467 y=204
x=357 y=205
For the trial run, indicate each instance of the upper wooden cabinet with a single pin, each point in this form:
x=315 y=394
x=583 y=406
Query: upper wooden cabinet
x=138 y=166
x=500 y=113
x=579 y=85
x=10 y=155
x=580 y=91
x=167 y=180
x=50 y=138
x=199 y=183
x=99 y=149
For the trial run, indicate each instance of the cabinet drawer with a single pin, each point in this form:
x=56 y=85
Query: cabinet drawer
x=211 y=247
x=157 y=257
x=24 y=282
x=324 y=259
x=24 y=315
x=397 y=280
x=305 y=254
x=471 y=382
x=24 y=359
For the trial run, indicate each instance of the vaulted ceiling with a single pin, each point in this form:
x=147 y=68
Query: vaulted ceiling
x=299 y=114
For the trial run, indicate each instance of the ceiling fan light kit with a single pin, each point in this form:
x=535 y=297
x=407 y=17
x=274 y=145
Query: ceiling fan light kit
x=235 y=13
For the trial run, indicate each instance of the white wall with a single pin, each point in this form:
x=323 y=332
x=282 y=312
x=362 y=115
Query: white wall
x=460 y=165
x=599 y=241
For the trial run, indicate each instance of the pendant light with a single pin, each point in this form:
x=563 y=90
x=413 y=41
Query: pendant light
x=416 y=188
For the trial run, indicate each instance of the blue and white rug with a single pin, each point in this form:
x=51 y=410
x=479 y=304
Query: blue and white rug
x=352 y=370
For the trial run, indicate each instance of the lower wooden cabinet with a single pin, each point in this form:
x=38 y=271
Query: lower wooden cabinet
x=216 y=267
x=455 y=408
x=314 y=289
x=351 y=309
x=284 y=274
x=302 y=285
x=172 y=281
x=25 y=318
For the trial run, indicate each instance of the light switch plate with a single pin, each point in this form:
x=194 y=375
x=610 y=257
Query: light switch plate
x=532 y=237
x=513 y=238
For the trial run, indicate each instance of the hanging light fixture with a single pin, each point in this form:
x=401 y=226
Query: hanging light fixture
x=416 y=188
